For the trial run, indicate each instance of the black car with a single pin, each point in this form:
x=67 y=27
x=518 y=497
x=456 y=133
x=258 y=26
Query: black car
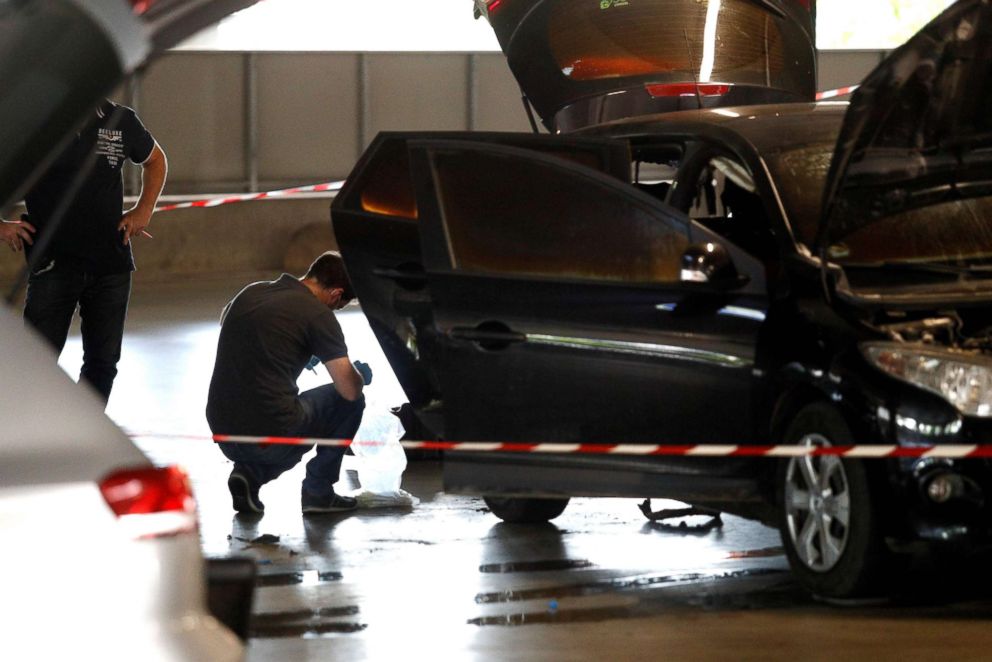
x=798 y=274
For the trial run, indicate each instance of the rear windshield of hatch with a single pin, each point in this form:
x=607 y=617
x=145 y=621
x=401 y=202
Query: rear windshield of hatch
x=733 y=41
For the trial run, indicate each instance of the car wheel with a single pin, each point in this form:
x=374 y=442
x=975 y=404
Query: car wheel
x=829 y=521
x=525 y=511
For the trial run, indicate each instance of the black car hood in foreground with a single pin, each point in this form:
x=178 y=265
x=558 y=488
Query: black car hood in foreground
x=918 y=132
x=58 y=58
x=584 y=62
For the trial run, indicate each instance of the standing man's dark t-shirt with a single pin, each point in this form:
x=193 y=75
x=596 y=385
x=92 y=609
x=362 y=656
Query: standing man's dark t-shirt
x=88 y=235
x=268 y=333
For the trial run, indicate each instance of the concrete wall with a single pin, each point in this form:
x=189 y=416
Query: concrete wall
x=265 y=235
x=257 y=121
x=842 y=68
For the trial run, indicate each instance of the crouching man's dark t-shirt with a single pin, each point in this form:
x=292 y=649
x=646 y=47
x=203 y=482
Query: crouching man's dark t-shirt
x=268 y=333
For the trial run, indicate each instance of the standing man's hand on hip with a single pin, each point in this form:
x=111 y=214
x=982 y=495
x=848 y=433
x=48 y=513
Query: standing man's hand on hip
x=15 y=233
x=153 y=174
x=133 y=222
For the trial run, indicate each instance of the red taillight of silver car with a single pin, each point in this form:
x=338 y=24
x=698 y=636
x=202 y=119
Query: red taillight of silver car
x=151 y=502
x=141 y=6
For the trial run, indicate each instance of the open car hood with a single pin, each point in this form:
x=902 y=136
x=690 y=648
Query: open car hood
x=918 y=132
x=584 y=62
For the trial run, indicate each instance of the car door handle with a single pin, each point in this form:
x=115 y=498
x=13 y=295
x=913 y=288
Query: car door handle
x=489 y=335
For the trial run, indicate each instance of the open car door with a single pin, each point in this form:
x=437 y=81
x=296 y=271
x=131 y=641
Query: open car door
x=560 y=313
x=376 y=219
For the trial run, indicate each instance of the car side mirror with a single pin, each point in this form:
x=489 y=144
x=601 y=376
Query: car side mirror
x=709 y=263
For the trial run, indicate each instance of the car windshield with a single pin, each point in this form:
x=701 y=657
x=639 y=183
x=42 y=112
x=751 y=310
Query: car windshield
x=913 y=223
x=800 y=174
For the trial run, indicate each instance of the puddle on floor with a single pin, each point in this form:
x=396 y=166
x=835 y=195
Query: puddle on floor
x=296 y=578
x=304 y=622
x=729 y=592
x=535 y=566
x=613 y=585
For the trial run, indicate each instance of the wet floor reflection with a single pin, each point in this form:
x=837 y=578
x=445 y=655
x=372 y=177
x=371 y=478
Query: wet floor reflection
x=535 y=566
x=263 y=629
x=615 y=585
x=734 y=591
x=308 y=577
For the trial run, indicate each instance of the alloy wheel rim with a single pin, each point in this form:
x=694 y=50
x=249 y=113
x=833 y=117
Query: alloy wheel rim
x=817 y=507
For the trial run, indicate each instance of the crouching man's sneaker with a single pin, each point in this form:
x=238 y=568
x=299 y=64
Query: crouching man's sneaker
x=334 y=503
x=244 y=493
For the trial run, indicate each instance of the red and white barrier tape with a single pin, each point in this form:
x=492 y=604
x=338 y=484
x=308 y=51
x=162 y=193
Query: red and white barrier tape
x=839 y=92
x=245 y=197
x=950 y=451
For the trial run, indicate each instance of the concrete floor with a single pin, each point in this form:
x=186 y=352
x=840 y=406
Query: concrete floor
x=446 y=580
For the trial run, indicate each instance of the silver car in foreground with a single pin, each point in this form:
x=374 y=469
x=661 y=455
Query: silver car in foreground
x=100 y=557
x=100 y=553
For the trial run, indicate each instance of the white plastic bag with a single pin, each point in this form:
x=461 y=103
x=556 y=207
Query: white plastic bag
x=381 y=461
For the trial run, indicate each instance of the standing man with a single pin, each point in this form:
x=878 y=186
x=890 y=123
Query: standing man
x=87 y=261
x=269 y=333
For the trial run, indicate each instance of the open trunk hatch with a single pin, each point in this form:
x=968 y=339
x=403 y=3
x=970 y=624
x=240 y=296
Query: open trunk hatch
x=584 y=62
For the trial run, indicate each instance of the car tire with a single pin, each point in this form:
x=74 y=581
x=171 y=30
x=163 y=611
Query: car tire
x=525 y=511
x=832 y=534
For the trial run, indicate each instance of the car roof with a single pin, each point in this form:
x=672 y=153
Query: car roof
x=768 y=128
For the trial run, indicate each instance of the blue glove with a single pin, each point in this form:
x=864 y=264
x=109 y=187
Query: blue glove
x=313 y=363
x=365 y=371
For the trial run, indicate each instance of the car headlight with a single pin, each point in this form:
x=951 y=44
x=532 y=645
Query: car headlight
x=964 y=380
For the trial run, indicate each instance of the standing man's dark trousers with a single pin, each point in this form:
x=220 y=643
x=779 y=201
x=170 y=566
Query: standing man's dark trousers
x=51 y=300
x=328 y=416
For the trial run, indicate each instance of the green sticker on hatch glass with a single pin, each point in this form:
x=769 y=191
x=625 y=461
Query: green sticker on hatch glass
x=609 y=4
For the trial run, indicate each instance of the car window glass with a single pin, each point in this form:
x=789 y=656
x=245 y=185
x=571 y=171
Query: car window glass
x=720 y=182
x=386 y=189
x=655 y=168
x=726 y=201
x=511 y=214
x=597 y=40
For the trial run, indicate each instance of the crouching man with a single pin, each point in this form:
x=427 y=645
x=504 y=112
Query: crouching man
x=269 y=332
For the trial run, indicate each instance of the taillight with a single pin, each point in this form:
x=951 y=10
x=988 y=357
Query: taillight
x=141 y=6
x=687 y=89
x=486 y=7
x=151 y=502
